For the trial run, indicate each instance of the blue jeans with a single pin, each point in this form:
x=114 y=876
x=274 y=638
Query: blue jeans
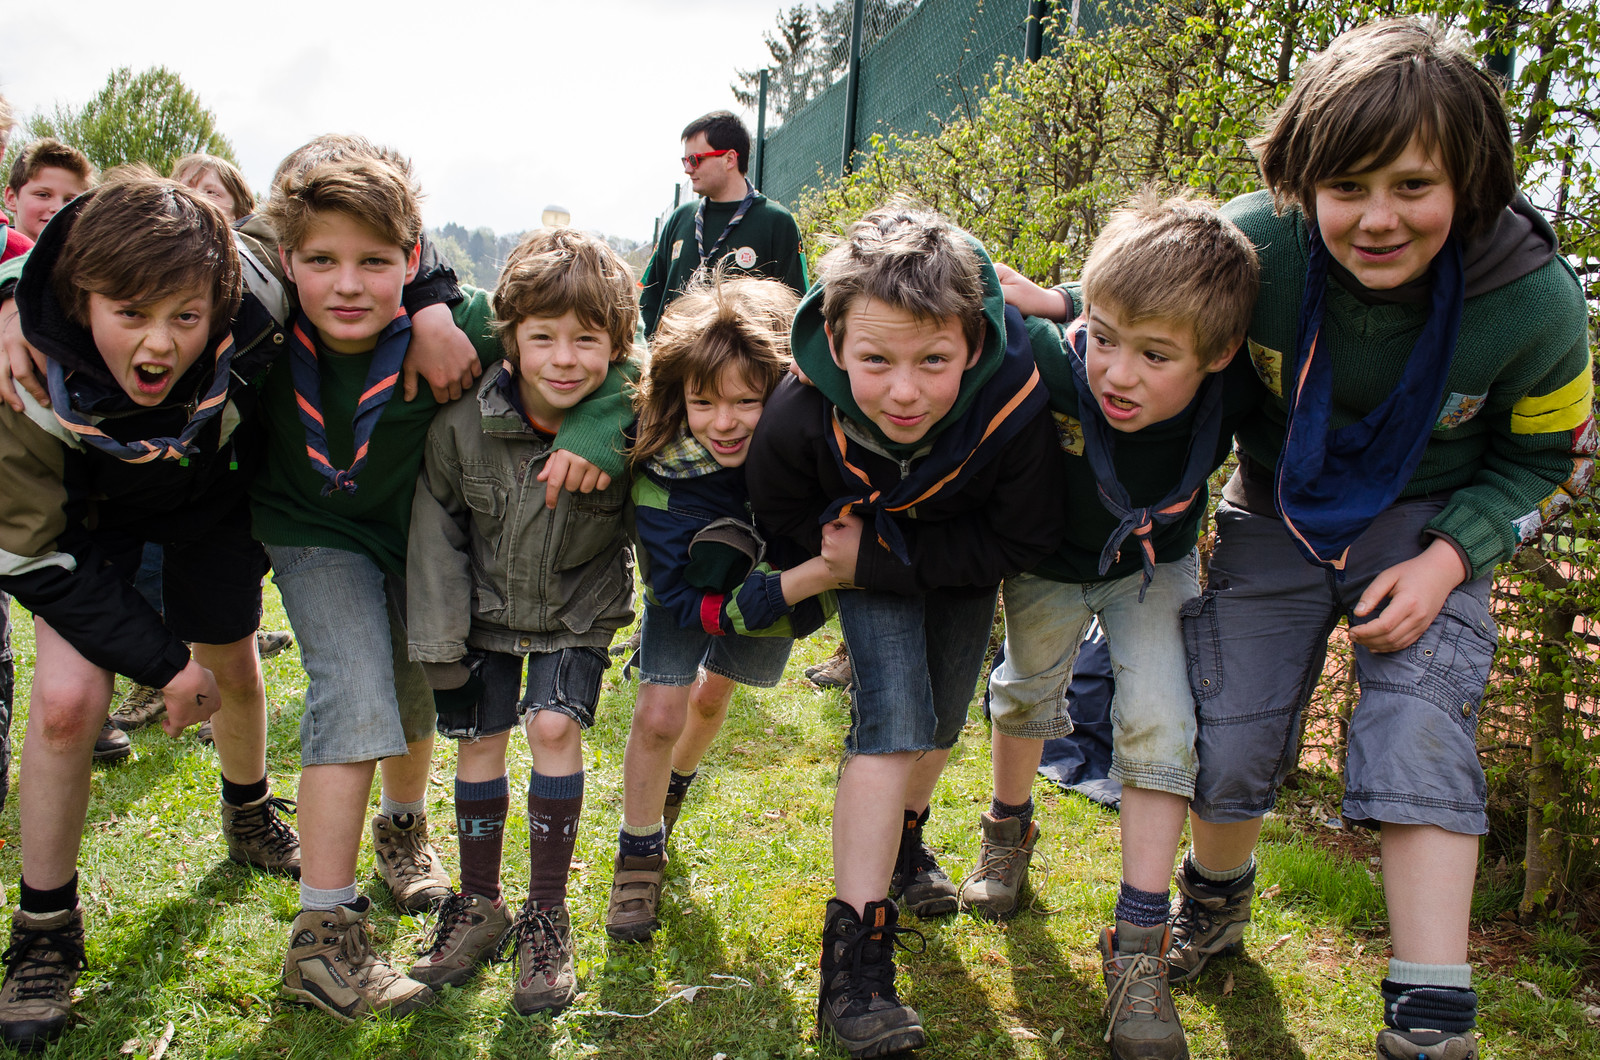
x=366 y=699
x=670 y=654
x=915 y=662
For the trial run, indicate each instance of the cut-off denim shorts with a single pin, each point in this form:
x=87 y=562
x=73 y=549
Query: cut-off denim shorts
x=670 y=654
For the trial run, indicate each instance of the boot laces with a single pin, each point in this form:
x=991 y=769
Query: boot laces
x=537 y=929
x=39 y=962
x=262 y=824
x=454 y=913
x=403 y=850
x=872 y=973
x=1138 y=986
x=355 y=950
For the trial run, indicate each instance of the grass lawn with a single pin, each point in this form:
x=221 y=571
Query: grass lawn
x=179 y=935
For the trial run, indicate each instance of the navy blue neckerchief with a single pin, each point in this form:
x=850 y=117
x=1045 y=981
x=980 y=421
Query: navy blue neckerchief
x=700 y=225
x=1005 y=405
x=1332 y=483
x=1100 y=449
x=382 y=377
x=145 y=450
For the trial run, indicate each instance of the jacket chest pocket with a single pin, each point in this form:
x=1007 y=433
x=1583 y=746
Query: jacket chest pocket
x=488 y=501
x=593 y=522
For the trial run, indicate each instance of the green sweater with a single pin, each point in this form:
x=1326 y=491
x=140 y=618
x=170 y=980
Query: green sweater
x=1515 y=437
x=287 y=505
x=1149 y=463
x=766 y=243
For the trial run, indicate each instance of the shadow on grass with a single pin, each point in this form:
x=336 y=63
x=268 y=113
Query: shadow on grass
x=1050 y=994
x=956 y=1010
x=1252 y=1015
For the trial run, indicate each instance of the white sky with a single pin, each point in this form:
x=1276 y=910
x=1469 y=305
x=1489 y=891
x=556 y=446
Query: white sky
x=578 y=102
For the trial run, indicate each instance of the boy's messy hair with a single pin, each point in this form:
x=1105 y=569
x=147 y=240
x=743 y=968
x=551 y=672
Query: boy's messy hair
x=140 y=238
x=339 y=147
x=368 y=190
x=1178 y=259
x=1360 y=101
x=557 y=270
x=193 y=167
x=909 y=257
x=740 y=322
x=45 y=153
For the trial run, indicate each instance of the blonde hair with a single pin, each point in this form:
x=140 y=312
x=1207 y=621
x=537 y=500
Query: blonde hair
x=740 y=324
x=1179 y=259
x=557 y=270
x=190 y=168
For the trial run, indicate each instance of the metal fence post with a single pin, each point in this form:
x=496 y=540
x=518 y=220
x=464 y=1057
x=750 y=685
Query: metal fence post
x=761 y=129
x=852 y=87
x=1033 y=40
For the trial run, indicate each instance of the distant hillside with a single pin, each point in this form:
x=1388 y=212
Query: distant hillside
x=478 y=255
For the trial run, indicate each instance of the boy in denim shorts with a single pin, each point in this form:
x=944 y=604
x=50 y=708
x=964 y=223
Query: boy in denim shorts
x=496 y=579
x=1426 y=348
x=923 y=467
x=1146 y=392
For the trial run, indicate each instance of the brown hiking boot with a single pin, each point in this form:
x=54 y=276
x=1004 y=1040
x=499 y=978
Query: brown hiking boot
x=918 y=880
x=832 y=672
x=670 y=812
x=112 y=745
x=257 y=836
x=542 y=936
x=1208 y=920
x=1426 y=1045
x=42 y=966
x=270 y=642
x=330 y=964
x=635 y=892
x=994 y=889
x=1141 y=1022
x=857 y=1003
x=139 y=708
x=407 y=861
x=467 y=934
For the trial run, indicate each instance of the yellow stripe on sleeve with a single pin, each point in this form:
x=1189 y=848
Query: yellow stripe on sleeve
x=1560 y=410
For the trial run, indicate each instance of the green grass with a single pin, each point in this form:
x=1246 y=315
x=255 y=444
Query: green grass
x=179 y=934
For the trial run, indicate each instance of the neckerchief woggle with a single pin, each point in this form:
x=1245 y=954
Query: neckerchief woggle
x=1100 y=448
x=1332 y=483
x=382 y=377
x=1007 y=403
x=146 y=450
x=700 y=224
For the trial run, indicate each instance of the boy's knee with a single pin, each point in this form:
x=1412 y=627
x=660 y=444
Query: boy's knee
x=711 y=703
x=659 y=720
x=66 y=717
x=552 y=731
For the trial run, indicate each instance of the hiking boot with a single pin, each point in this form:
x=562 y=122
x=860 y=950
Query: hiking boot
x=1141 y=1023
x=468 y=932
x=857 y=1003
x=330 y=964
x=542 y=937
x=203 y=733
x=832 y=672
x=270 y=642
x=918 y=879
x=635 y=892
x=42 y=966
x=1426 y=1045
x=409 y=865
x=257 y=836
x=993 y=890
x=1207 y=920
x=139 y=708
x=112 y=745
x=669 y=815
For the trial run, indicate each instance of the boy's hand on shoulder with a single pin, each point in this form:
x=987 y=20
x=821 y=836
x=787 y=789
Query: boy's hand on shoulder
x=1416 y=590
x=1029 y=298
x=191 y=697
x=841 y=544
x=570 y=472
x=440 y=353
x=20 y=362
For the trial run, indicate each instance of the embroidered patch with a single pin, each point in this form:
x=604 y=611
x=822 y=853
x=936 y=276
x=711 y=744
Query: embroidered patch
x=1269 y=366
x=677 y=246
x=1586 y=438
x=1458 y=409
x=745 y=257
x=1528 y=527
x=1582 y=475
x=1069 y=432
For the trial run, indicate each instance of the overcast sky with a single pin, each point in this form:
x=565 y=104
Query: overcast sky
x=503 y=107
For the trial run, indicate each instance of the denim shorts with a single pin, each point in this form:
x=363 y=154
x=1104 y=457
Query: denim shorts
x=915 y=662
x=1257 y=640
x=366 y=699
x=566 y=681
x=1152 y=712
x=670 y=654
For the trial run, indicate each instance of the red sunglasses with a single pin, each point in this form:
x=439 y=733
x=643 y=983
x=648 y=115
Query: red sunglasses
x=692 y=162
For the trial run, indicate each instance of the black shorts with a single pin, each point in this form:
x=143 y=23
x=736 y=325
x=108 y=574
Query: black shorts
x=566 y=681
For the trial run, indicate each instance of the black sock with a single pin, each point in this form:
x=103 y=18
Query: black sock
x=40 y=903
x=243 y=794
x=642 y=846
x=678 y=786
x=1022 y=811
x=1142 y=908
x=1407 y=1007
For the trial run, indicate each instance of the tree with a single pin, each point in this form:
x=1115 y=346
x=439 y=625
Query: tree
x=811 y=50
x=151 y=117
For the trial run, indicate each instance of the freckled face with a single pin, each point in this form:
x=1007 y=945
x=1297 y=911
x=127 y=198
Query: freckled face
x=905 y=373
x=1387 y=224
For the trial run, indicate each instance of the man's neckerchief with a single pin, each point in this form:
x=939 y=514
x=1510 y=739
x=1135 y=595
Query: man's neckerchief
x=1332 y=483
x=382 y=376
x=1100 y=449
x=1005 y=405
x=700 y=225
x=145 y=450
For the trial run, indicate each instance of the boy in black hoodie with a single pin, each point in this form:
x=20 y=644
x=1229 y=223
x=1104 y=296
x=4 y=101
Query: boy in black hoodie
x=923 y=468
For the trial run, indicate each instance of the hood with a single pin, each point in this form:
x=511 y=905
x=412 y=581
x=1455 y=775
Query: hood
x=809 y=344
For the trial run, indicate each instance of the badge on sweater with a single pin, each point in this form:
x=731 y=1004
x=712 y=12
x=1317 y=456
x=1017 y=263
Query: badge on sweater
x=677 y=246
x=745 y=257
x=1269 y=366
x=1458 y=409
